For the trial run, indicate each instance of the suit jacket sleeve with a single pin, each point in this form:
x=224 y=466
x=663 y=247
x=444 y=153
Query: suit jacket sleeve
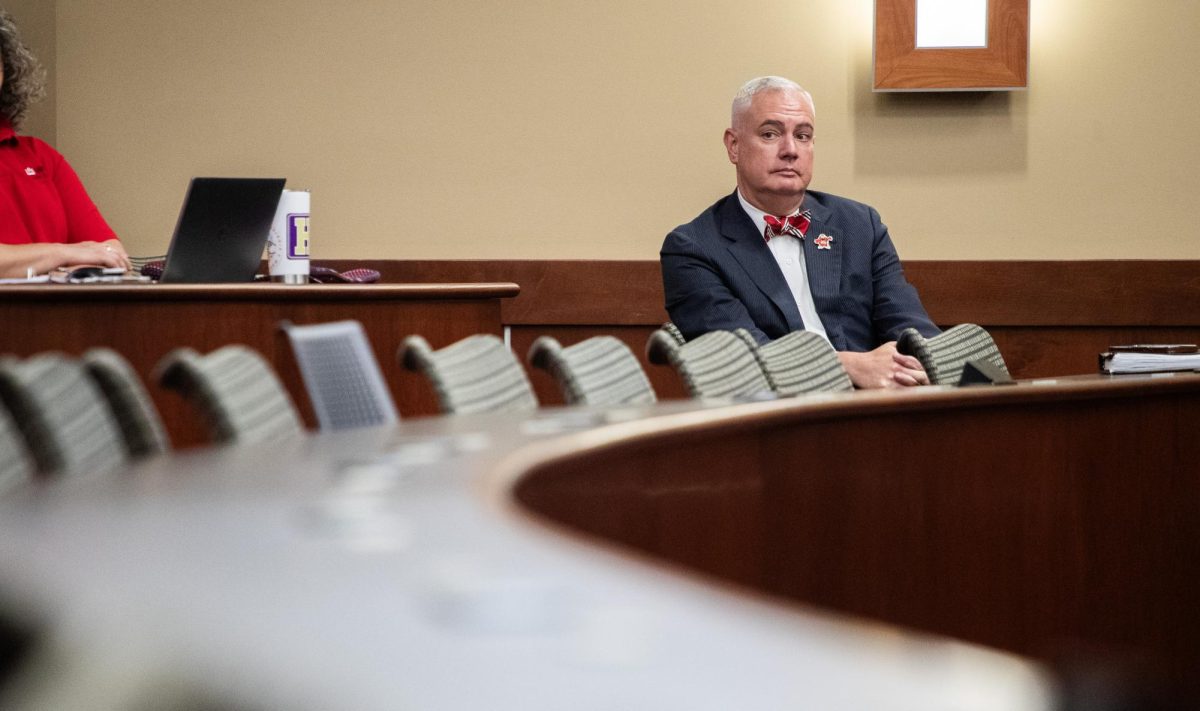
x=896 y=305
x=698 y=298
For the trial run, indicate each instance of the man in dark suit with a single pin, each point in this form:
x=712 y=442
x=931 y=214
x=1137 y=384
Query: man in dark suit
x=774 y=257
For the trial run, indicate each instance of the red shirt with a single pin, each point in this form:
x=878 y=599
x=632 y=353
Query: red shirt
x=41 y=198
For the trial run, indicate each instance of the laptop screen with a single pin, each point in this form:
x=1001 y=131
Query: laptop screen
x=222 y=230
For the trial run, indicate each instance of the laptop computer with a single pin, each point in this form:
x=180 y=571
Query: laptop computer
x=222 y=230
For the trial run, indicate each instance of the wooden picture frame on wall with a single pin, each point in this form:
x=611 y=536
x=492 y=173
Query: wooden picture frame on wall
x=1001 y=65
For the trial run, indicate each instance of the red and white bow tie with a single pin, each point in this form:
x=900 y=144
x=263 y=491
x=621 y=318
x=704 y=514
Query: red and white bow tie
x=794 y=225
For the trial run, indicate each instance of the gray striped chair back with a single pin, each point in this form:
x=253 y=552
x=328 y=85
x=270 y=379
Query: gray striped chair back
x=476 y=374
x=235 y=391
x=717 y=364
x=599 y=371
x=140 y=425
x=944 y=355
x=800 y=362
x=67 y=424
x=16 y=466
x=674 y=332
x=341 y=375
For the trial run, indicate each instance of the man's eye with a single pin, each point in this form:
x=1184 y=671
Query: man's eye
x=804 y=137
x=770 y=135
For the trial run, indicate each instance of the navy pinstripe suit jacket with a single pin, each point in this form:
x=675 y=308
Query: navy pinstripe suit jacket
x=719 y=274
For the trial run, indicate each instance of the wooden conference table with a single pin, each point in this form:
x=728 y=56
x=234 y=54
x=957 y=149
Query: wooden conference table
x=144 y=322
x=688 y=555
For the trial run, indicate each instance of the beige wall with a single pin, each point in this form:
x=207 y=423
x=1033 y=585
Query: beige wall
x=35 y=18
x=557 y=128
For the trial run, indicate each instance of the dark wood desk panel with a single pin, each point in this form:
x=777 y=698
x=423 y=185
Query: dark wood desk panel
x=145 y=322
x=1054 y=521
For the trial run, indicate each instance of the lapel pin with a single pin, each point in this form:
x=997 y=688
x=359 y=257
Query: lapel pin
x=824 y=241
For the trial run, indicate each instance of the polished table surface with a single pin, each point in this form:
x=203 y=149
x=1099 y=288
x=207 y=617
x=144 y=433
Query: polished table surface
x=144 y=322
x=568 y=559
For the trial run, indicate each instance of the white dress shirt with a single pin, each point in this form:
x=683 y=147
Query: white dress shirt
x=789 y=253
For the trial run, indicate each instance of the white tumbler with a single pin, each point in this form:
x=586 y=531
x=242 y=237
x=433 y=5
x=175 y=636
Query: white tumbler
x=288 y=246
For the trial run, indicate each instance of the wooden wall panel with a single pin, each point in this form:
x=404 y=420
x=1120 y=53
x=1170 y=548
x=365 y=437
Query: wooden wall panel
x=1008 y=293
x=553 y=292
x=1049 y=318
x=1046 y=351
x=1089 y=293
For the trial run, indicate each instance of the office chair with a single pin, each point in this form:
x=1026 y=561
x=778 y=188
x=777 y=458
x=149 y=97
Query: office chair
x=341 y=375
x=476 y=374
x=944 y=355
x=598 y=371
x=140 y=425
x=16 y=466
x=235 y=391
x=717 y=364
x=800 y=362
x=67 y=425
x=674 y=332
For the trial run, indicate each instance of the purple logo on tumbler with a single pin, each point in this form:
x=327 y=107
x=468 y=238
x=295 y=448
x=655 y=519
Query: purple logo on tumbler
x=297 y=223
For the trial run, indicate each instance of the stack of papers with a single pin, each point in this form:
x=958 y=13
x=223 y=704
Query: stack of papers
x=1150 y=359
x=40 y=279
x=82 y=275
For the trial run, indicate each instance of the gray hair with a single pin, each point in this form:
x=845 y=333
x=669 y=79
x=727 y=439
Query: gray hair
x=743 y=97
x=24 y=78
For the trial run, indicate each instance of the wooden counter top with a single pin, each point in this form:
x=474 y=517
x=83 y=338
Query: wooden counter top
x=689 y=555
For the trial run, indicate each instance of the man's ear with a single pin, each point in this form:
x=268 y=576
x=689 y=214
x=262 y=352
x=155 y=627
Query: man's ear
x=731 y=145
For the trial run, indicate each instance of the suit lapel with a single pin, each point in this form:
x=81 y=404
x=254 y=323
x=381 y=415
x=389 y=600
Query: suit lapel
x=748 y=248
x=824 y=265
